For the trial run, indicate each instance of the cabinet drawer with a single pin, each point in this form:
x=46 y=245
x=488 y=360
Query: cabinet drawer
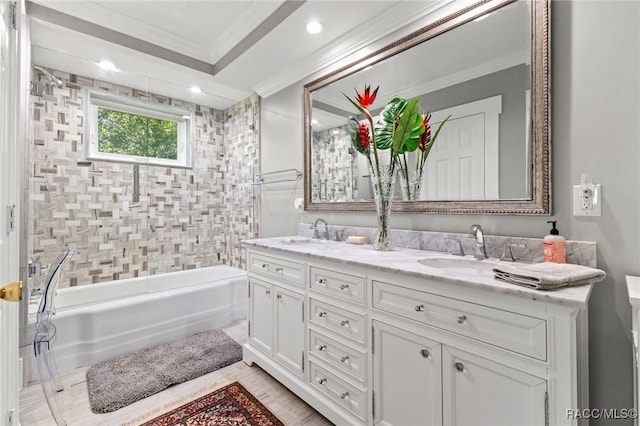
x=338 y=320
x=524 y=334
x=344 y=393
x=276 y=267
x=339 y=356
x=345 y=286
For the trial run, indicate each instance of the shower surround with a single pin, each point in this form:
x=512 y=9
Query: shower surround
x=184 y=219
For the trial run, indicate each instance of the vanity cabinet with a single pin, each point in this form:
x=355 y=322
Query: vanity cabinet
x=477 y=390
x=338 y=335
x=365 y=344
x=407 y=377
x=419 y=380
x=276 y=310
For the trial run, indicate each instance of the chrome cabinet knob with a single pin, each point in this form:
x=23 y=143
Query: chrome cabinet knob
x=322 y=281
x=267 y=291
x=459 y=366
x=279 y=269
x=265 y=265
x=425 y=353
x=279 y=296
x=344 y=395
x=419 y=308
x=322 y=314
x=461 y=319
x=322 y=381
x=344 y=322
x=322 y=347
x=344 y=358
x=344 y=286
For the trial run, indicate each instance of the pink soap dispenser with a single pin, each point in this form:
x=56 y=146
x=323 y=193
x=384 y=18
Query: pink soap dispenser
x=555 y=245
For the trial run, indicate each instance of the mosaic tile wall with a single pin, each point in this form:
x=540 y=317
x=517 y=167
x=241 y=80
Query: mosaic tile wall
x=334 y=163
x=184 y=219
x=242 y=143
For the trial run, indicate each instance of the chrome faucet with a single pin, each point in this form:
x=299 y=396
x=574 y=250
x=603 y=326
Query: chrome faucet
x=476 y=232
x=507 y=251
x=314 y=226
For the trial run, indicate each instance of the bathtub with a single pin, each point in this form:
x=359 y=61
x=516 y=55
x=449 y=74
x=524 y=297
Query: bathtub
x=101 y=321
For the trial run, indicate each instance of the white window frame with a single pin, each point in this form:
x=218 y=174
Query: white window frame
x=184 y=118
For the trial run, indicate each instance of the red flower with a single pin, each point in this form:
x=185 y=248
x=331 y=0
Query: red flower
x=425 y=138
x=366 y=98
x=365 y=137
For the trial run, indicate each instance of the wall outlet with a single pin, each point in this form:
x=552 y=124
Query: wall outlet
x=587 y=200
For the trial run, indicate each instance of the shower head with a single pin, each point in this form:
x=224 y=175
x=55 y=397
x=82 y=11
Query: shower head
x=52 y=78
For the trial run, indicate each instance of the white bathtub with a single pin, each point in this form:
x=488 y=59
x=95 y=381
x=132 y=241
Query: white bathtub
x=101 y=321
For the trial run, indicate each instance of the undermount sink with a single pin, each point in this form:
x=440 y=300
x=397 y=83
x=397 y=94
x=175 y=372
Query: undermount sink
x=303 y=240
x=465 y=264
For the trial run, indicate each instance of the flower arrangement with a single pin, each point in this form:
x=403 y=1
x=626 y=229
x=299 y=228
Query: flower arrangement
x=400 y=129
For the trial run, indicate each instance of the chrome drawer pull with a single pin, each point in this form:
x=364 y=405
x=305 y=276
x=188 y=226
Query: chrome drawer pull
x=322 y=314
x=344 y=395
x=419 y=308
x=322 y=381
x=425 y=353
x=279 y=269
x=459 y=366
x=344 y=322
x=344 y=286
x=322 y=347
x=461 y=319
x=344 y=358
x=322 y=281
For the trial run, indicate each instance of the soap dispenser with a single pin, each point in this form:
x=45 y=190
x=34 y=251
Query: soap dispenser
x=554 y=245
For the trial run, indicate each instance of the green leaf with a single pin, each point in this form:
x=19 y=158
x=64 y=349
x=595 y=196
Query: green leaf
x=408 y=130
x=386 y=126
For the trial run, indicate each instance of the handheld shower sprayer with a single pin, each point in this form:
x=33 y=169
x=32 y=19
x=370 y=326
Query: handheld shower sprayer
x=53 y=80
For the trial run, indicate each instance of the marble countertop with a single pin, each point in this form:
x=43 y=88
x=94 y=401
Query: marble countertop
x=405 y=261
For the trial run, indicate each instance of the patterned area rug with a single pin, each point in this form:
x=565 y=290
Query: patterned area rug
x=230 y=405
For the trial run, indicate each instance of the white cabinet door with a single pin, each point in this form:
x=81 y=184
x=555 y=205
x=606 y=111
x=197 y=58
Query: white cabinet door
x=261 y=315
x=407 y=378
x=289 y=329
x=477 y=391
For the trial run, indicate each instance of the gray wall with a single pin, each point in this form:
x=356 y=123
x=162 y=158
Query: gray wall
x=595 y=130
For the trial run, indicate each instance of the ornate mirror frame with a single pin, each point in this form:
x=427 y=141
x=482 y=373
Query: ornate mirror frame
x=540 y=200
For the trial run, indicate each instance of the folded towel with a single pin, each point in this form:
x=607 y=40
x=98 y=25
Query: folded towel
x=547 y=276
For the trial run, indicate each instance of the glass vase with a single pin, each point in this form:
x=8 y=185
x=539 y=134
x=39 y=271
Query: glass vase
x=410 y=184
x=382 y=184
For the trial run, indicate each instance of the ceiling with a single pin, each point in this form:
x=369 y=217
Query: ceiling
x=229 y=49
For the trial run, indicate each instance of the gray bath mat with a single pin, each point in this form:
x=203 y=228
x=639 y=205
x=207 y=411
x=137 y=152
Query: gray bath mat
x=124 y=380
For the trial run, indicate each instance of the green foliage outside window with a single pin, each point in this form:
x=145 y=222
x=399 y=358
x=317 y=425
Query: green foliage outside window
x=131 y=134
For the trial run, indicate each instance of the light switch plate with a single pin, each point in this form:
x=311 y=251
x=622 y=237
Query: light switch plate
x=595 y=201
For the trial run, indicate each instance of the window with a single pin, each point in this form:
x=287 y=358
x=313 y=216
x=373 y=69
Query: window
x=132 y=131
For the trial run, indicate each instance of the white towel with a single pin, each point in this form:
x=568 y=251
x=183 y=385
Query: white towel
x=547 y=276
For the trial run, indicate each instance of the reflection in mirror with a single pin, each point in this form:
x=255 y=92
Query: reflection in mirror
x=490 y=156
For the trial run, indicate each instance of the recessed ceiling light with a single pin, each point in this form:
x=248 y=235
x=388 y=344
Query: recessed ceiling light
x=195 y=89
x=314 y=27
x=107 y=65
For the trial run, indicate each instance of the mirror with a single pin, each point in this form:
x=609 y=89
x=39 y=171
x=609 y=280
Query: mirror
x=487 y=66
